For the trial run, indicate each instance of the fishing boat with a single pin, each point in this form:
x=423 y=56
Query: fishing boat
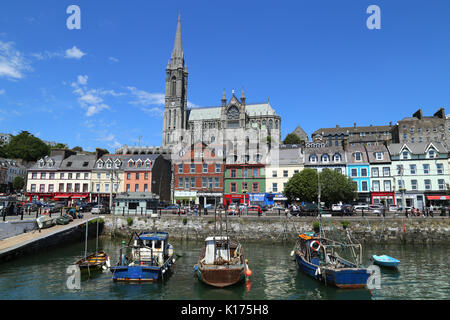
x=221 y=262
x=96 y=261
x=385 y=261
x=147 y=257
x=318 y=257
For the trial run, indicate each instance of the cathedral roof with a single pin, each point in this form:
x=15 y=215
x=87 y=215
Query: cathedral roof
x=207 y=113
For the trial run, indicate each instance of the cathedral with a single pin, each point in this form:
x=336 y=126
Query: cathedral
x=245 y=131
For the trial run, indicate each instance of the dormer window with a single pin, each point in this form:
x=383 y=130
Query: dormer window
x=405 y=155
x=379 y=155
x=337 y=157
x=313 y=158
x=358 y=156
x=130 y=163
x=69 y=164
x=117 y=164
x=431 y=154
x=108 y=164
x=139 y=163
x=41 y=163
x=325 y=158
x=100 y=165
x=147 y=164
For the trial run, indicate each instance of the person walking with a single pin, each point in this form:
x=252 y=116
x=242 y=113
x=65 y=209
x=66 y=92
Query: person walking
x=431 y=210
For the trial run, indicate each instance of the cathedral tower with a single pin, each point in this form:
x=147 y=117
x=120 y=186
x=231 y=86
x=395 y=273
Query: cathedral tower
x=174 y=121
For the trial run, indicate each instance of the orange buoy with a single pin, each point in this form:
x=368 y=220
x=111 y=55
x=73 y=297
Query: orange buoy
x=247 y=272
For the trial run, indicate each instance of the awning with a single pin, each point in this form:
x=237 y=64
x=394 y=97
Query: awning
x=438 y=197
x=79 y=196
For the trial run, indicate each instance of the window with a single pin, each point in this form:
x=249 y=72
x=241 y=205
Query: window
x=61 y=187
x=108 y=164
x=216 y=182
x=405 y=155
x=107 y=176
x=86 y=175
x=78 y=175
x=245 y=186
x=33 y=188
x=128 y=176
x=387 y=185
x=50 y=188
x=106 y=187
x=379 y=155
x=427 y=184
x=137 y=175
x=296 y=171
x=255 y=173
x=386 y=171
x=42 y=188
x=210 y=183
x=43 y=175
x=146 y=176
x=274 y=187
x=99 y=165
x=325 y=158
x=34 y=175
x=203 y=182
x=245 y=173
x=431 y=154
x=233 y=187
x=205 y=168
x=128 y=187
x=338 y=170
x=69 y=164
x=255 y=187
x=313 y=158
x=363 y=172
x=145 y=187
x=440 y=168
x=364 y=186
x=376 y=185
x=401 y=184
x=98 y=176
x=97 y=187
x=69 y=176
x=192 y=182
x=136 y=188
x=52 y=175
x=399 y=169
x=192 y=168
x=217 y=168
x=285 y=173
x=180 y=182
x=354 y=172
x=374 y=172
x=413 y=184
x=358 y=156
x=180 y=168
x=233 y=173
x=186 y=183
x=337 y=157
x=85 y=187
x=69 y=187
x=426 y=169
x=77 y=187
x=441 y=184
x=412 y=168
x=274 y=174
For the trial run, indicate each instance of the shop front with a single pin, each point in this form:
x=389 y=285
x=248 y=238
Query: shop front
x=257 y=199
x=185 y=197
x=236 y=199
x=416 y=200
x=271 y=199
x=383 y=198
x=437 y=200
x=213 y=198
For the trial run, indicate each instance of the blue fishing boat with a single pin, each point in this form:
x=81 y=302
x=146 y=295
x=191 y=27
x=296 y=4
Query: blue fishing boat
x=385 y=261
x=147 y=257
x=318 y=257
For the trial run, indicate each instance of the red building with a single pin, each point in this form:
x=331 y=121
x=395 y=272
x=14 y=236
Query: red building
x=198 y=175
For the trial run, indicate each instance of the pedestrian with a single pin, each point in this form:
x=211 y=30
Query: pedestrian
x=431 y=210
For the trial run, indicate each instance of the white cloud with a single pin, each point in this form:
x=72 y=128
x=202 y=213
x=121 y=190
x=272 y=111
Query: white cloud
x=74 y=53
x=112 y=59
x=12 y=62
x=2 y=91
x=145 y=98
x=154 y=112
x=82 y=79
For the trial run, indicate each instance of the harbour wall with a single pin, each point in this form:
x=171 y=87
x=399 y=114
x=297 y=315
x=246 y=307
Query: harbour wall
x=286 y=229
x=13 y=228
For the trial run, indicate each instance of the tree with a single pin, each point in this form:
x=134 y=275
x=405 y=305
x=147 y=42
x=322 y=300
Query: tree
x=292 y=138
x=18 y=183
x=26 y=146
x=59 y=146
x=334 y=186
x=77 y=149
x=303 y=185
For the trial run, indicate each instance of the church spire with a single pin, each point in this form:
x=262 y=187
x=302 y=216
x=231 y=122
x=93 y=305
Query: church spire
x=177 y=58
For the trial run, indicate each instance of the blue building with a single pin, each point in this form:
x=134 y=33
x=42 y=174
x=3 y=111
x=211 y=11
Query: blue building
x=358 y=169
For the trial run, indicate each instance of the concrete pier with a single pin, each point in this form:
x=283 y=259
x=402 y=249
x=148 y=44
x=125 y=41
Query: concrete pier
x=34 y=241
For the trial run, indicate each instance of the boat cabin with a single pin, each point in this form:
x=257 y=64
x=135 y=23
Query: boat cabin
x=151 y=247
x=219 y=250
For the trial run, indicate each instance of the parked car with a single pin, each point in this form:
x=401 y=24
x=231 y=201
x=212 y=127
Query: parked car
x=256 y=209
x=99 y=209
x=309 y=209
x=360 y=207
x=336 y=207
x=393 y=208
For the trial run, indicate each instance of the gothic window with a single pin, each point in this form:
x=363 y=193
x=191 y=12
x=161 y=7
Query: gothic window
x=233 y=113
x=170 y=117
x=276 y=124
x=174 y=87
x=270 y=124
x=264 y=122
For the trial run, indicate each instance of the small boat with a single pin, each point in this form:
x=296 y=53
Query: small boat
x=64 y=219
x=45 y=221
x=318 y=257
x=385 y=261
x=148 y=258
x=221 y=262
x=94 y=262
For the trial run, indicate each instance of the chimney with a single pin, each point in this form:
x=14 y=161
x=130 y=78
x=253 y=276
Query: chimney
x=337 y=126
x=354 y=125
x=418 y=114
x=440 y=113
x=390 y=123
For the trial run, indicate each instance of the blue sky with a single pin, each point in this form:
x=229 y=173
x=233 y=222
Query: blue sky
x=103 y=85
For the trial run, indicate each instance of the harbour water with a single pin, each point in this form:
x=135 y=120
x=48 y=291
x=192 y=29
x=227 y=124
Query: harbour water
x=422 y=274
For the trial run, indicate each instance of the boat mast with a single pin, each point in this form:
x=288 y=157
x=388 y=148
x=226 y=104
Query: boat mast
x=85 y=241
x=96 y=243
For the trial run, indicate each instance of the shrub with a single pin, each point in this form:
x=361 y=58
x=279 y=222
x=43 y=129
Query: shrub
x=345 y=224
x=184 y=221
x=130 y=221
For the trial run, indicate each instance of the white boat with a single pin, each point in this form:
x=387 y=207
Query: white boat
x=45 y=222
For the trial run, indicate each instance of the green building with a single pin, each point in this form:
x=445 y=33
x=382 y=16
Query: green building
x=242 y=180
